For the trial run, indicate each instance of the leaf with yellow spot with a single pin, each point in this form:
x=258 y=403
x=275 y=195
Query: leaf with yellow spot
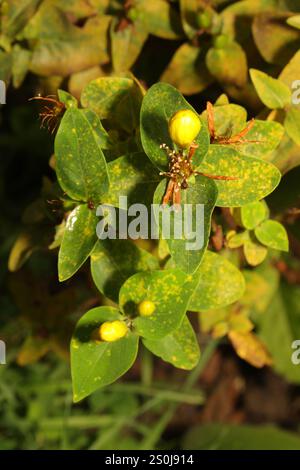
x=114 y=261
x=180 y=348
x=169 y=290
x=255 y=178
x=254 y=252
x=133 y=176
x=95 y=364
x=80 y=164
x=219 y=284
x=115 y=98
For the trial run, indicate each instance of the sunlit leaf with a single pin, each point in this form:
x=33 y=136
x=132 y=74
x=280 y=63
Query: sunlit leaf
x=78 y=241
x=255 y=178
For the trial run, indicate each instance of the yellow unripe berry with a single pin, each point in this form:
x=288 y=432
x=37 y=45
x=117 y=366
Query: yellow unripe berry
x=146 y=308
x=112 y=330
x=184 y=126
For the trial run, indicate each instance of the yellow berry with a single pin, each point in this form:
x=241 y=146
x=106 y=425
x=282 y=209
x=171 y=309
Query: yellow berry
x=184 y=126
x=146 y=308
x=112 y=330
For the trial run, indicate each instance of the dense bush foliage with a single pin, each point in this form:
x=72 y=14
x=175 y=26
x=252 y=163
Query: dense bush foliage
x=107 y=78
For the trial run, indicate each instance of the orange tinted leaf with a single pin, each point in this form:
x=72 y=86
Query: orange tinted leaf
x=250 y=348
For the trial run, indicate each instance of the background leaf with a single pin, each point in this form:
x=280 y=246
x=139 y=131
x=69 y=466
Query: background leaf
x=159 y=18
x=126 y=44
x=187 y=70
x=228 y=65
x=233 y=437
x=274 y=38
x=272 y=92
x=62 y=48
x=292 y=124
x=282 y=311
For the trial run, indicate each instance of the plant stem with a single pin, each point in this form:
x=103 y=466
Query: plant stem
x=150 y=441
x=146 y=367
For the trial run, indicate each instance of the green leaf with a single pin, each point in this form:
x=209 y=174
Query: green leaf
x=170 y=292
x=80 y=164
x=220 y=283
x=184 y=250
x=114 y=98
x=278 y=327
x=134 y=176
x=66 y=98
x=253 y=214
x=228 y=65
x=94 y=363
x=180 y=347
x=255 y=178
x=262 y=139
x=272 y=92
x=233 y=437
x=114 y=261
x=254 y=253
x=159 y=18
x=187 y=70
x=272 y=234
x=292 y=124
x=126 y=44
x=78 y=241
x=159 y=105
